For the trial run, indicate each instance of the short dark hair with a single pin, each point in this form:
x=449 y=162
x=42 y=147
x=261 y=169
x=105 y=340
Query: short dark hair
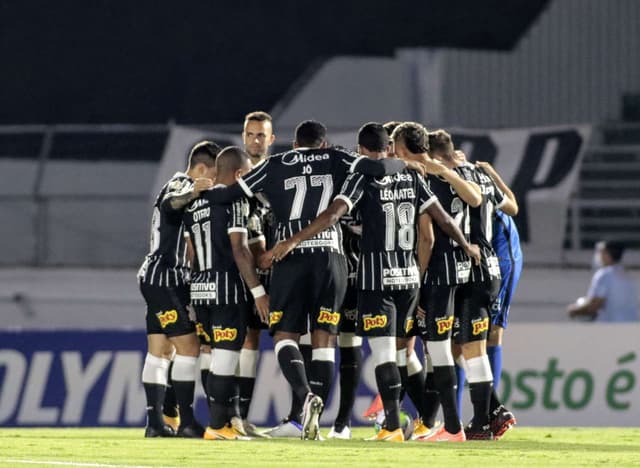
x=204 y=152
x=310 y=133
x=390 y=126
x=414 y=136
x=440 y=142
x=615 y=249
x=259 y=116
x=231 y=159
x=373 y=137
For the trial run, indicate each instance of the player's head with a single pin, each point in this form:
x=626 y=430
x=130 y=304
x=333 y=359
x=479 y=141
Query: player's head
x=409 y=140
x=609 y=252
x=373 y=140
x=257 y=135
x=202 y=159
x=390 y=126
x=232 y=163
x=441 y=146
x=310 y=134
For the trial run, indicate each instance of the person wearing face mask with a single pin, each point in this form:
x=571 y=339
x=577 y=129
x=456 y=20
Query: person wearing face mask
x=612 y=295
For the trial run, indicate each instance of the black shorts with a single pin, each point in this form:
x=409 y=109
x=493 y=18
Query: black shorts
x=228 y=325
x=349 y=311
x=307 y=291
x=438 y=301
x=473 y=301
x=385 y=313
x=167 y=310
x=203 y=324
x=254 y=321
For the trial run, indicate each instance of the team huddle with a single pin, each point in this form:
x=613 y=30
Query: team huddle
x=401 y=239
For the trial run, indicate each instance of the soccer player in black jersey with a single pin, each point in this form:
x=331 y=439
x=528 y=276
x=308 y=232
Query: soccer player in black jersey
x=388 y=277
x=163 y=279
x=447 y=265
x=491 y=419
x=310 y=285
x=473 y=298
x=349 y=343
x=257 y=137
x=223 y=275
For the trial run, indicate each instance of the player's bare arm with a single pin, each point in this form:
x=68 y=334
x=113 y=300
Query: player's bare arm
x=181 y=198
x=326 y=219
x=450 y=228
x=259 y=252
x=468 y=191
x=247 y=267
x=426 y=240
x=510 y=205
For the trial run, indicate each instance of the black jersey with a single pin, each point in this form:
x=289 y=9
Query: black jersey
x=166 y=262
x=261 y=229
x=389 y=207
x=215 y=278
x=300 y=184
x=449 y=264
x=481 y=219
x=352 y=232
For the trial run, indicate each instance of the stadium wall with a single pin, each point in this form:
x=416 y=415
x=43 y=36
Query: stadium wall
x=573 y=65
x=553 y=376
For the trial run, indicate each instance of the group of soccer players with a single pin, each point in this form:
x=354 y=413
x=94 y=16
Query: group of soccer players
x=319 y=244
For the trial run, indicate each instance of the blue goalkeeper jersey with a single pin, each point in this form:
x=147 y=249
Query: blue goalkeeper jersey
x=506 y=240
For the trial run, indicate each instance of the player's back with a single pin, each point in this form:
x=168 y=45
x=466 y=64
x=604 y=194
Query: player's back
x=215 y=277
x=301 y=184
x=449 y=263
x=165 y=264
x=388 y=208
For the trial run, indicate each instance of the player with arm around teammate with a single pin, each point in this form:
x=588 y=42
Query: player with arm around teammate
x=224 y=277
x=163 y=279
x=388 y=277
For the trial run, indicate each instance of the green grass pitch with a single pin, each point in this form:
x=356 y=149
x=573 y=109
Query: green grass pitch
x=522 y=446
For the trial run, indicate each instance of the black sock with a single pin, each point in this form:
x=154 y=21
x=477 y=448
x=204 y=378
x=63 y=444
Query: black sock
x=445 y=383
x=388 y=380
x=221 y=392
x=234 y=399
x=321 y=378
x=495 y=403
x=431 y=402
x=307 y=352
x=480 y=393
x=170 y=404
x=184 y=397
x=292 y=366
x=415 y=389
x=204 y=376
x=295 y=413
x=245 y=385
x=155 y=397
x=350 y=367
x=403 y=381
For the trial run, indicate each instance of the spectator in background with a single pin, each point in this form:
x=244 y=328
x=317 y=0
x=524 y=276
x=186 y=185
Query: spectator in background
x=612 y=294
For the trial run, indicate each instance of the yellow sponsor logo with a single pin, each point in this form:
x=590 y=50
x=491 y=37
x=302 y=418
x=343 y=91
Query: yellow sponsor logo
x=275 y=317
x=224 y=334
x=201 y=332
x=409 y=325
x=377 y=321
x=168 y=317
x=480 y=326
x=326 y=316
x=444 y=325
